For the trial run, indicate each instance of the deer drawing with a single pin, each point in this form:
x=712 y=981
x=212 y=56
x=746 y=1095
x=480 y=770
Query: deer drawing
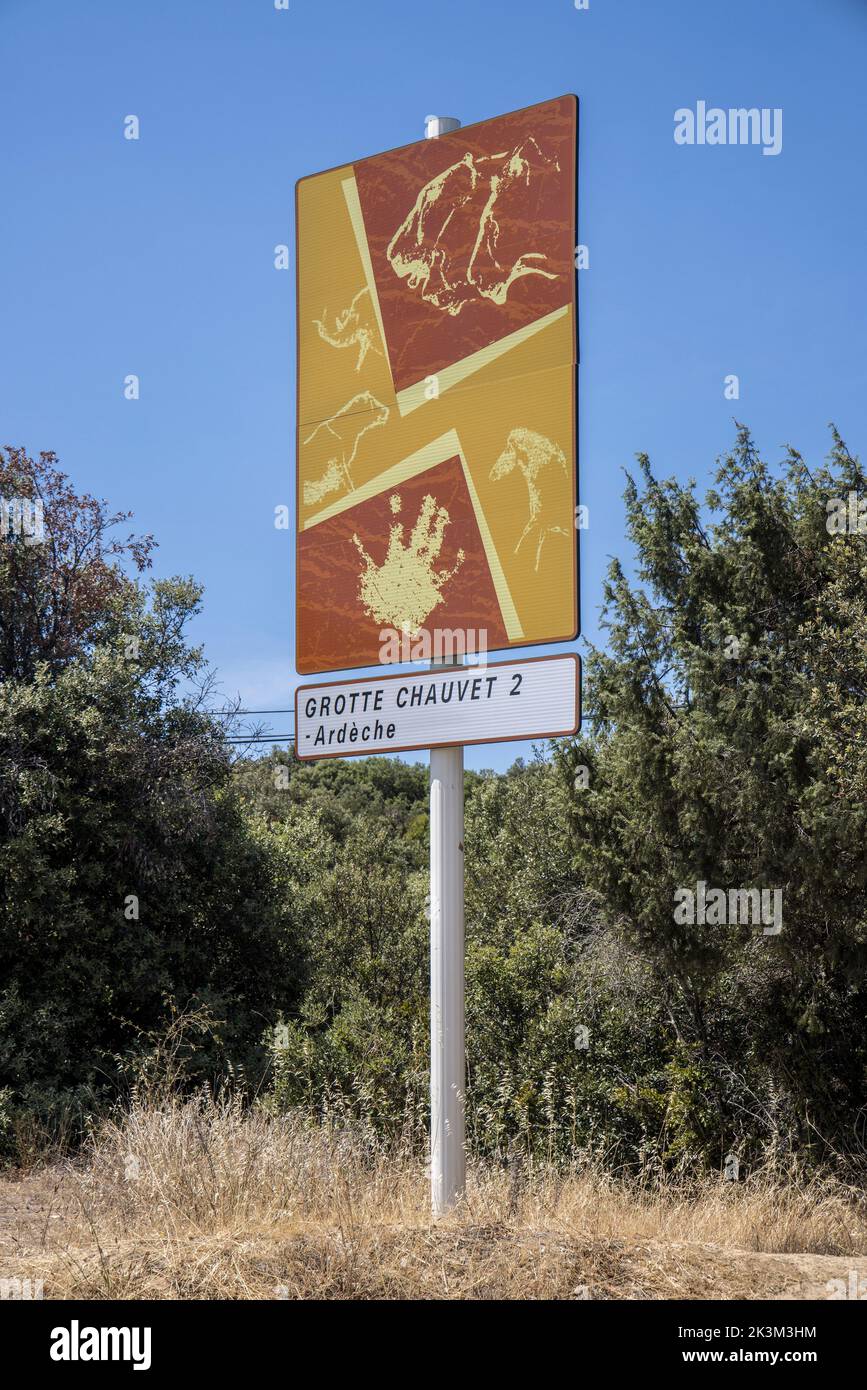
x=539 y=460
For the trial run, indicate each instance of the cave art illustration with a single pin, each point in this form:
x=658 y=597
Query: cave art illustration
x=352 y=327
x=447 y=246
x=340 y=436
x=538 y=460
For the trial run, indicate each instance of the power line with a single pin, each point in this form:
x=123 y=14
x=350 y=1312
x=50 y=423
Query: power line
x=261 y=738
x=234 y=713
x=253 y=738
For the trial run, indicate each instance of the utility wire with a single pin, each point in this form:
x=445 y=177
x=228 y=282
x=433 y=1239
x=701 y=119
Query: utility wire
x=233 y=713
x=253 y=738
x=263 y=738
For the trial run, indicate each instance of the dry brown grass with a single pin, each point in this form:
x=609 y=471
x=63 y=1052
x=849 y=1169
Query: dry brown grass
x=204 y=1199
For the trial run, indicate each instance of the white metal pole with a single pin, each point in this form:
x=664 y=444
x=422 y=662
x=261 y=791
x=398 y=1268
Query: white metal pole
x=448 y=1162
x=447 y=1079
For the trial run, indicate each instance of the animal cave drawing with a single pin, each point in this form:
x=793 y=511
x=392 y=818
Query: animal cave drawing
x=450 y=242
x=340 y=436
x=541 y=462
x=354 y=327
x=407 y=586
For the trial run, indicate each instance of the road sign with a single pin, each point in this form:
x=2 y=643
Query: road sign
x=534 y=698
x=436 y=395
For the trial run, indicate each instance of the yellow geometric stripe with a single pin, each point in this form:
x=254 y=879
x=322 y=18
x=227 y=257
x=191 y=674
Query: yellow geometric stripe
x=353 y=204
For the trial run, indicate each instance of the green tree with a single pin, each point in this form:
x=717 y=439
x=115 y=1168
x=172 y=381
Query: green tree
x=720 y=715
x=383 y=793
x=359 y=1036
x=128 y=872
x=58 y=593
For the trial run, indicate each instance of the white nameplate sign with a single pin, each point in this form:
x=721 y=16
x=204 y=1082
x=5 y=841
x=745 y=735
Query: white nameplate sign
x=538 y=697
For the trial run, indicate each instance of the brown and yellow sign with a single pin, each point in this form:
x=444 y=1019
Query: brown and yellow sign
x=436 y=394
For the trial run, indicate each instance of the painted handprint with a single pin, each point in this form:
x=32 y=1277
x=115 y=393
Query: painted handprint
x=403 y=590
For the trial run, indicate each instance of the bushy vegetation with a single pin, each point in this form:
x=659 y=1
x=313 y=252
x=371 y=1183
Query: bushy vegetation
x=728 y=709
x=725 y=726
x=129 y=875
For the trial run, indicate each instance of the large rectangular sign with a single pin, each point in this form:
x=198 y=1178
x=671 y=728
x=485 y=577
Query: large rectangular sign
x=534 y=698
x=436 y=459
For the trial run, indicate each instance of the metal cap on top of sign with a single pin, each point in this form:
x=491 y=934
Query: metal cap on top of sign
x=436 y=396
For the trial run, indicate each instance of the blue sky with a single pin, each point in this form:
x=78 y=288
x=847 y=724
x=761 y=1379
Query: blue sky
x=156 y=256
